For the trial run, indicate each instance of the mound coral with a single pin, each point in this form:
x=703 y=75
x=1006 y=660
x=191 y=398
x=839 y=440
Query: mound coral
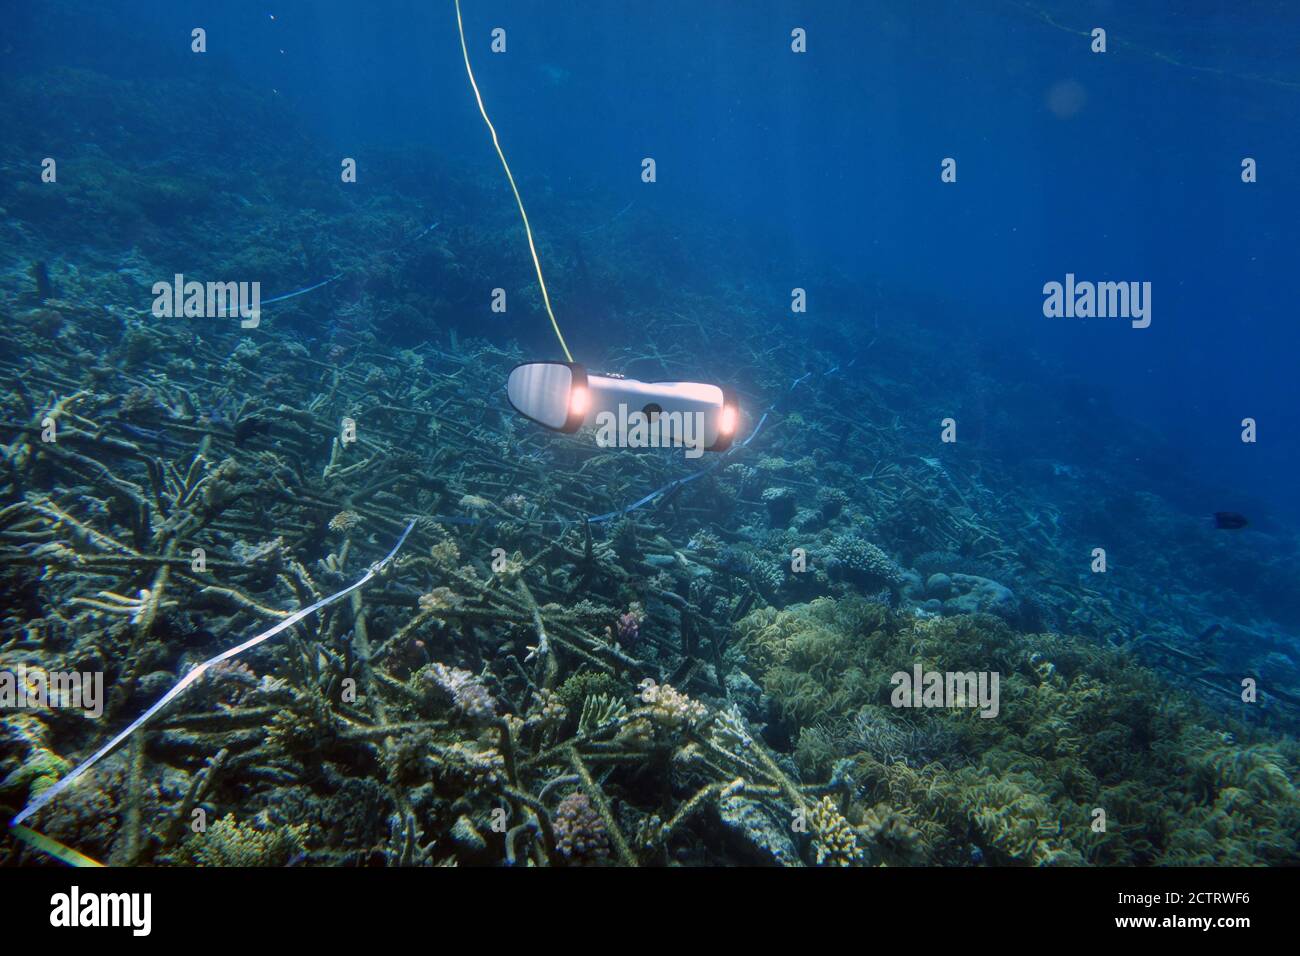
x=858 y=560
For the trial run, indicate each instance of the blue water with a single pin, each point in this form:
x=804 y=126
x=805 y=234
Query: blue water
x=831 y=159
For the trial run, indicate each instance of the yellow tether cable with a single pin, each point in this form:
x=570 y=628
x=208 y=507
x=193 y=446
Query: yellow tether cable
x=527 y=228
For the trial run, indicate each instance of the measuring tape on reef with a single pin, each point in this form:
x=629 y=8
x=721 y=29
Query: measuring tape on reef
x=63 y=784
x=339 y=275
x=64 y=854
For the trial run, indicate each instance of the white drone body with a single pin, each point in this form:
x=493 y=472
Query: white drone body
x=564 y=397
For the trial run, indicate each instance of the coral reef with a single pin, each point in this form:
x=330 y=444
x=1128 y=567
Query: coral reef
x=1083 y=727
x=703 y=680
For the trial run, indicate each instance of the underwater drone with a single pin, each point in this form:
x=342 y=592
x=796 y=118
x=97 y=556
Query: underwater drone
x=564 y=396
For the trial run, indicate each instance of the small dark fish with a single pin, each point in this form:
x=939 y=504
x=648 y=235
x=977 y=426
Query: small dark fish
x=246 y=428
x=1229 y=520
x=843 y=439
x=40 y=274
x=1208 y=633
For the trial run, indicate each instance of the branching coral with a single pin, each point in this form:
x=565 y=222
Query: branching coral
x=580 y=834
x=834 y=840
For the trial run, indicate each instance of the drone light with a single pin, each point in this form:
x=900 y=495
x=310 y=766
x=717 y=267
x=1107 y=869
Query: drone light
x=579 y=400
x=727 y=420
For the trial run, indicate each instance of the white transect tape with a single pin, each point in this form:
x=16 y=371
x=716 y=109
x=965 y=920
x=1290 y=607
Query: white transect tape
x=198 y=672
